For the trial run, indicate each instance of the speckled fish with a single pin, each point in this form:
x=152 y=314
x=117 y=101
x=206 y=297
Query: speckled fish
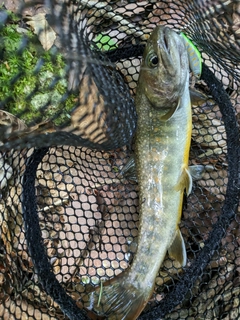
x=162 y=151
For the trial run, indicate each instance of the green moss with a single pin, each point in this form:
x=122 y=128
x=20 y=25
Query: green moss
x=28 y=77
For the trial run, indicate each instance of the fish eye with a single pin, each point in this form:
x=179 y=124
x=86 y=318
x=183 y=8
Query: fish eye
x=152 y=60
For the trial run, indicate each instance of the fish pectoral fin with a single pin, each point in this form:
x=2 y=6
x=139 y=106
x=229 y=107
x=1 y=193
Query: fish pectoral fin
x=177 y=250
x=185 y=181
x=198 y=170
x=171 y=112
x=198 y=97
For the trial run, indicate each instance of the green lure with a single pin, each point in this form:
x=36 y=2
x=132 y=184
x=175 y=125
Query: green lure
x=195 y=60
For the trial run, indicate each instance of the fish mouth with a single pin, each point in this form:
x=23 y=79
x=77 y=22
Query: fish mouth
x=167 y=44
x=165 y=39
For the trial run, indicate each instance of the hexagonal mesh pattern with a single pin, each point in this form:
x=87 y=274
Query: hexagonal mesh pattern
x=68 y=215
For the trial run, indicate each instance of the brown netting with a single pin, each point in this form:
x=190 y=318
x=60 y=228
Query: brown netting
x=69 y=218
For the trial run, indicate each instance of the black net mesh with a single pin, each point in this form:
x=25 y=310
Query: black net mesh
x=69 y=218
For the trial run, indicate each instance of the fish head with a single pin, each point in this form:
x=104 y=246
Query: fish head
x=165 y=69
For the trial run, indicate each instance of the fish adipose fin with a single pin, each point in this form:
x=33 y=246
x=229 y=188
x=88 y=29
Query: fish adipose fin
x=177 y=250
x=185 y=181
x=116 y=300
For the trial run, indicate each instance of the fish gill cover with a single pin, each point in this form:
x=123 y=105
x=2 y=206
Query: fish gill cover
x=68 y=216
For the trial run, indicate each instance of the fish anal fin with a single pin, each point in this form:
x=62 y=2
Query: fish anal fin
x=116 y=299
x=177 y=250
x=185 y=181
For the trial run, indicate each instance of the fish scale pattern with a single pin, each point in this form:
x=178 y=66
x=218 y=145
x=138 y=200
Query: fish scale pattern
x=68 y=215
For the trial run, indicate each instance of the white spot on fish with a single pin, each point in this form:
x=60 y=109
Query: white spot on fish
x=177 y=134
x=164 y=153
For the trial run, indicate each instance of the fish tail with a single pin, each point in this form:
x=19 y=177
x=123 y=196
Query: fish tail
x=116 y=299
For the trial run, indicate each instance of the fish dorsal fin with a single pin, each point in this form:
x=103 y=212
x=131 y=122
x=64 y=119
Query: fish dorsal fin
x=177 y=250
x=185 y=181
x=194 y=56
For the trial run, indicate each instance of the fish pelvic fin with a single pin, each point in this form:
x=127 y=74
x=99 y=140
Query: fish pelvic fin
x=177 y=250
x=116 y=299
x=129 y=170
x=185 y=181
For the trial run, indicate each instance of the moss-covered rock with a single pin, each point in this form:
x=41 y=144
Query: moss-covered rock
x=33 y=82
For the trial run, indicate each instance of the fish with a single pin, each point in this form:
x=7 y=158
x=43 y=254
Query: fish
x=162 y=147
